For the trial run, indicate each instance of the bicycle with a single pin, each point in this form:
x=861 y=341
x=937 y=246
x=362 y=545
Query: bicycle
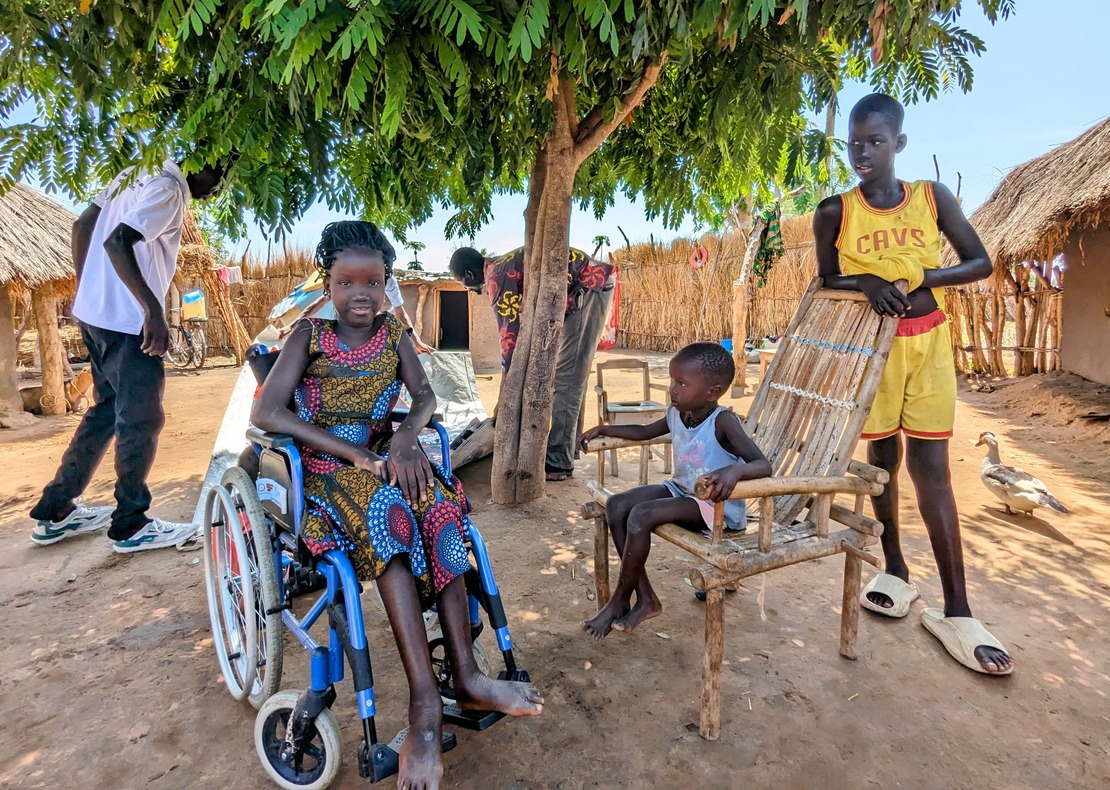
x=187 y=345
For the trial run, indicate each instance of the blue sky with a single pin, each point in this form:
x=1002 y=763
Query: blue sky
x=1041 y=82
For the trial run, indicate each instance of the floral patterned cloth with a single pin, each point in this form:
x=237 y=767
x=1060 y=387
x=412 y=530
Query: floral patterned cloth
x=350 y=393
x=504 y=277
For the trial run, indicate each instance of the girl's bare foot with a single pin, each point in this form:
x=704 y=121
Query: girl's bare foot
x=421 y=763
x=513 y=698
x=601 y=623
x=645 y=609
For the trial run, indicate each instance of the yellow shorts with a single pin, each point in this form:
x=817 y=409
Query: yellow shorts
x=917 y=393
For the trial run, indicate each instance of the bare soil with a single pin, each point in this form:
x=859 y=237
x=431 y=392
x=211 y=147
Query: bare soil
x=108 y=678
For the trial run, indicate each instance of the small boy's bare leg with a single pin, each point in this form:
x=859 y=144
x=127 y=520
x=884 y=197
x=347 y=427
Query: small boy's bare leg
x=927 y=462
x=887 y=454
x=642 y=521
x=616 y=517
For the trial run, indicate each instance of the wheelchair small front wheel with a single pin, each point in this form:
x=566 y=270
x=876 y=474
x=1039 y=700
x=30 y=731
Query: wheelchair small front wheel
x=267 y=594
x=318 y=763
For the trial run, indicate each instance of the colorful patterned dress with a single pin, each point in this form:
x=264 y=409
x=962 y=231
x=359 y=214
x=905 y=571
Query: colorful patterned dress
x=350 y=393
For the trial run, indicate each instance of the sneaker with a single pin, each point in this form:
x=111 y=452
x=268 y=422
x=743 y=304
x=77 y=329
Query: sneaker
x=82 y=519
x=157 y=534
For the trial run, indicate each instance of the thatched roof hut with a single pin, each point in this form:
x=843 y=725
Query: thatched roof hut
x=1052 y=207
x=1036 y=208
x=35 y=258
x=35 y=241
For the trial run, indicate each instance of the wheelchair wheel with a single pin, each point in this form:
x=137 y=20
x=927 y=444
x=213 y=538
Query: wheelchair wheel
x=231 y=594
x=267 y=597
x=317 y=765
x=441 y=661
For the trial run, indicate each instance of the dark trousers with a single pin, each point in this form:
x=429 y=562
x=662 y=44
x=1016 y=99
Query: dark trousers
x=581 y=332
x=127 y=394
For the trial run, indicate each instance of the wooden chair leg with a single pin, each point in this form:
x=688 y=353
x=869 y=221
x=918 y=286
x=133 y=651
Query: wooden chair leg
x=849 y=612
x=645 y=460
x=710 y=728
x=601 y=561
x=667 y=456
x=613 y=463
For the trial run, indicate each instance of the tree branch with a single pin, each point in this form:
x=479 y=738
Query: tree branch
x=593 y=133
x=566 y=89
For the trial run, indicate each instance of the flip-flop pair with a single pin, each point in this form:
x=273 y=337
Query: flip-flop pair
x=959 y=635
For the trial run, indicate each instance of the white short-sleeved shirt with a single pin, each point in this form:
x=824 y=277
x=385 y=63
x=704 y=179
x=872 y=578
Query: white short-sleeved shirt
x=154 y=205
x=393 y=293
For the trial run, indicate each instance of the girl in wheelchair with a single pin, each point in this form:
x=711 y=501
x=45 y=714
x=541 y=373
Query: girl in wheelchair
x=371 y=491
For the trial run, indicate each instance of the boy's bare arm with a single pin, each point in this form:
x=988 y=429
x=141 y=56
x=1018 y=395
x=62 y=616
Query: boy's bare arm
x=975 y=263
x=884 y=297
x=636 y=433
x=731 y=435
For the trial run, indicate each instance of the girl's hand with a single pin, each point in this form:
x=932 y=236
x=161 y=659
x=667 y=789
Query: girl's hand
x=372 y=462
x=722 y=482
x=589 y=435
x=409 y=469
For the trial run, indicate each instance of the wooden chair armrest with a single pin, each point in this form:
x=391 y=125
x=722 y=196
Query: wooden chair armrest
x=602 y=443
x=871 y=474
x=789 y=484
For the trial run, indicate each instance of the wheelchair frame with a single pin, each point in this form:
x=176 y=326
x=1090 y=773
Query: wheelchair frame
x=276 y=549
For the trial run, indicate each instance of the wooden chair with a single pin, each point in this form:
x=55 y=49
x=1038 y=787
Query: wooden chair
x=638 y=412
x=807 y=417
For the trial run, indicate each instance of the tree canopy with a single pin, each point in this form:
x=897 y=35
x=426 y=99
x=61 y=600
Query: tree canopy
x=389 y=109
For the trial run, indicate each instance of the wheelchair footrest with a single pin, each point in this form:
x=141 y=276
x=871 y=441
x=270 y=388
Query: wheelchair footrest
x=476 y=720
x=382 y=760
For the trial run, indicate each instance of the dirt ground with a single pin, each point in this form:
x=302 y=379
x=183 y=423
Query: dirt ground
x=108 y=678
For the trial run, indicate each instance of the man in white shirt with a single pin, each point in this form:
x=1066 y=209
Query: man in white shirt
x=125 y=249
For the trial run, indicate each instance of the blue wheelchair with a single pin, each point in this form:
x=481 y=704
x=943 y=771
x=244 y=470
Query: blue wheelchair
x=255 y=568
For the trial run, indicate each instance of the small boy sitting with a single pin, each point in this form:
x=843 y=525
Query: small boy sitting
x=708 y=443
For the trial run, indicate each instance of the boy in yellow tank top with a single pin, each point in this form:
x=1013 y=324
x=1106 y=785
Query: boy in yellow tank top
x=883 y=231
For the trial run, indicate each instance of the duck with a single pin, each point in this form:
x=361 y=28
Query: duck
x=1017 y=489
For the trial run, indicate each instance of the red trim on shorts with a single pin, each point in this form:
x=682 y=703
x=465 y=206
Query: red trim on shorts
x=874 y=437
x=912 y=327
x=927 y=434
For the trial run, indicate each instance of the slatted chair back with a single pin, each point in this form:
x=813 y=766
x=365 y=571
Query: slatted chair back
x=809 y=410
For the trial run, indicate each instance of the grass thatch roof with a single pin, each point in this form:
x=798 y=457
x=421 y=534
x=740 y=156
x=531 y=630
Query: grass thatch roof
x=1030 y=214
x=34 y=240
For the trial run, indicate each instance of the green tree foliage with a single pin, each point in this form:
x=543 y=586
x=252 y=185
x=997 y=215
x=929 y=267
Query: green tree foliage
x=388 y=109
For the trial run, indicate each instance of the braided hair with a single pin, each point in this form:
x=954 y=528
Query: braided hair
x=352 y=235
x=715 y=361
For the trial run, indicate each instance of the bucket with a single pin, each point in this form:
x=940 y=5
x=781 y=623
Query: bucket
x=192 y=305
x=727 y=343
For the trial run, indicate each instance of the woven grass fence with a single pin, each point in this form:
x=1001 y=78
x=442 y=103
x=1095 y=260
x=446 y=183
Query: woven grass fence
x=665 y=303
x=264 y=284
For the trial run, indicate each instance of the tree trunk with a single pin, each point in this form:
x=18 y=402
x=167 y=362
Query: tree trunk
x=10 y=400
x=45 y=306
x=524 y=408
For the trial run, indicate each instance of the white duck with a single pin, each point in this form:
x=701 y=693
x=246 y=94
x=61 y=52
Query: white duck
x=1017 y=489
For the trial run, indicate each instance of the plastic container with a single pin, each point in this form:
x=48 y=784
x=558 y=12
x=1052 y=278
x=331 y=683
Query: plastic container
x=727 y=343
x=193 y=306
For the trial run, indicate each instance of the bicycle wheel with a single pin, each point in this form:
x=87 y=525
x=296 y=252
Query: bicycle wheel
x=200 y=345
x=180 y=350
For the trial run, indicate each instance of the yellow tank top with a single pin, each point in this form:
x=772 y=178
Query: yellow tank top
x=891 y=243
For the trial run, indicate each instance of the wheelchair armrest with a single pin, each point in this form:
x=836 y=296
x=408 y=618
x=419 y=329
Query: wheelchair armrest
x=272 y=440
x=397 y=415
